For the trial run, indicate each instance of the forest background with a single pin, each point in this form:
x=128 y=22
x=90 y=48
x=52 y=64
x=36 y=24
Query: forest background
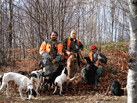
x=25 y=24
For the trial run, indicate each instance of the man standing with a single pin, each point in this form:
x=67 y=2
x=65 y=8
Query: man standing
x=51 y=52
x=71 y=47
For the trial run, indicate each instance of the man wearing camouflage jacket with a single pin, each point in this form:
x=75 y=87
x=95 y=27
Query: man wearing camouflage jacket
x=71 y=47
x=51 y=52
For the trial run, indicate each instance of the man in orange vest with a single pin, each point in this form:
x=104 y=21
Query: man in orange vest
x=96 y=59
x=71 y=47
x=51 y=52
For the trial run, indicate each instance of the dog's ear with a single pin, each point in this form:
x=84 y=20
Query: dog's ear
x=33 y=75
x=43 y=74
x=34 y=93
x=28 y=92
x=87 y=59
x=66 y=72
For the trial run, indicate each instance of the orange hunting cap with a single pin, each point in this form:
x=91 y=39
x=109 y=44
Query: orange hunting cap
x=94 y=47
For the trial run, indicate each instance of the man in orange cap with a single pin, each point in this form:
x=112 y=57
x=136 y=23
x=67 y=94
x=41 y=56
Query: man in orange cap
x=95 y=57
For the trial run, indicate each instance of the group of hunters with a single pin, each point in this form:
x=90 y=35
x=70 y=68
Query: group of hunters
x=52 y=52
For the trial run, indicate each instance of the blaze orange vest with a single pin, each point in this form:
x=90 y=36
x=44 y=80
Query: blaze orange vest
x=91 y=58
x=68 y=46
x=46 y=47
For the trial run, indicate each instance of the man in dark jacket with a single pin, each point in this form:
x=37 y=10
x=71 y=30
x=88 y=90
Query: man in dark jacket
x=51 y=52
x=71 y=47
x=96 y=58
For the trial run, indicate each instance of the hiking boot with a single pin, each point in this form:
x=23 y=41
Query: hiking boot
x=96 y=82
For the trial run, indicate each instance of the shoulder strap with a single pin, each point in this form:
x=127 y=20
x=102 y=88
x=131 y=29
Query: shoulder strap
x=58 y=41
x=47 y=41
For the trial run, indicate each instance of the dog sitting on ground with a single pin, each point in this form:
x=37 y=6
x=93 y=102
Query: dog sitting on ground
x=115 y=88
x=90 y=71
x=21 y=80
x=60 y=80
x=36 y=76
x=51 y=78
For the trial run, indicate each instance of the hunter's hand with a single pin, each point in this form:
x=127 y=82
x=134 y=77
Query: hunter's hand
x=80 y=50
x=99 y=57
x=53 y=61
x=51 y=58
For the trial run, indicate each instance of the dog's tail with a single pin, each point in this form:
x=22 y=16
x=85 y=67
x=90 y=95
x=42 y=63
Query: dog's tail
x=1 y=76
x=33 y=75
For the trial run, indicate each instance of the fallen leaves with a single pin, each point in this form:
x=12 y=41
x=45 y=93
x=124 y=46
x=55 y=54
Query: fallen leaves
x=117 y=62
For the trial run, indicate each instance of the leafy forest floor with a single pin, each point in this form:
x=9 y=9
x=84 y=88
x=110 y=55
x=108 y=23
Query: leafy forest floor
x=115 y=69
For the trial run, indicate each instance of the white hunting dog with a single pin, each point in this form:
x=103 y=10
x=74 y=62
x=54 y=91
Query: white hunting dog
x=60 y=80
x=36 y=76
x=22 y=81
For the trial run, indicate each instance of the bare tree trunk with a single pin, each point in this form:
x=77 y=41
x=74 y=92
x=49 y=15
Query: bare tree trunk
x=112 y=17
x=52 y=18
x=10 y=25
x=132 y=71
x=116 y=27
x=1 y=37
x=123 y=26
x=63 y=11
x=78 y=21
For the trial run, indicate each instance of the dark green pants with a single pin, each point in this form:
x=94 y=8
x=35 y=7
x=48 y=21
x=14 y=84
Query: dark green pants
x=99 y=71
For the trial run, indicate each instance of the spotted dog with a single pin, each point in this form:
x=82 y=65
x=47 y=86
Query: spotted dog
x=60 y=80
x=36 y=76
x=22 y=81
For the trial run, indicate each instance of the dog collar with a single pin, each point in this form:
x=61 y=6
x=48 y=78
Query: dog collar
x=29 y=84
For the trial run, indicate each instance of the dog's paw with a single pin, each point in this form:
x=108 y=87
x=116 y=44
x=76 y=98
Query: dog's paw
x=23 y=98
x=60 y=94
x=38 y=94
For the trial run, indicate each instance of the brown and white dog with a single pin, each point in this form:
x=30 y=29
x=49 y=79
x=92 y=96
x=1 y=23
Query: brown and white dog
x=36 y=76
x=60 y=80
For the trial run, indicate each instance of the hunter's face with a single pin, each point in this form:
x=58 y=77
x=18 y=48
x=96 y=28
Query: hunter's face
x=94 y=51
x=53 y=36
x=73 y=34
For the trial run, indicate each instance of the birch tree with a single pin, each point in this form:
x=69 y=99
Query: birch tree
x=132 y=71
